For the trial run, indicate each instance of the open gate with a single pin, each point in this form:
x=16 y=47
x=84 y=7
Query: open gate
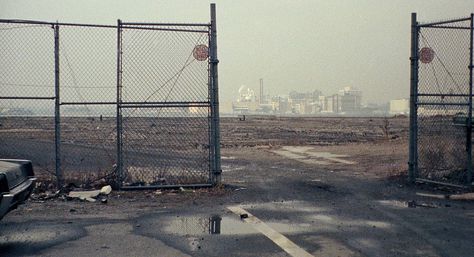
x=441 y=101
x=133 y=104
x=167 y=104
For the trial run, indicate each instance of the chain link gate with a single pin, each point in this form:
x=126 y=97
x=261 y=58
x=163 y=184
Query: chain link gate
x=441 y=102
x=135 y=104
x=167 y=132
x=165 y=128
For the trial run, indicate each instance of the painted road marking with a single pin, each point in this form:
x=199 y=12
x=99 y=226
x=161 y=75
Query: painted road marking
x=300 y=158
x=330 y=156
x=308 y=155
x=282 y=241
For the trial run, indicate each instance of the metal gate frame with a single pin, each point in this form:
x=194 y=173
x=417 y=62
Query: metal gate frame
x=415 y=103
x=213 y=102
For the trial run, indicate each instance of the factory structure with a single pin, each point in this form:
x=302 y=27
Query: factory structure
x=400 y=106
x=348 y=100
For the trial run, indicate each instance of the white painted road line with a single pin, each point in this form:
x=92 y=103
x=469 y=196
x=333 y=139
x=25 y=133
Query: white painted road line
x=282 y=241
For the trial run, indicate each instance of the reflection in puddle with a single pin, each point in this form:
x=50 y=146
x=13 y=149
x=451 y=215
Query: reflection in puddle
x=215 y=225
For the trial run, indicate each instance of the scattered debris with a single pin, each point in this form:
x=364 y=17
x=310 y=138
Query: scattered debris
x=182 y=189
x=84 y=195
x=106 y=190
x=91 y=196
x=466 y=196
x=437 y=196
x=45 y=195
x=414 y=204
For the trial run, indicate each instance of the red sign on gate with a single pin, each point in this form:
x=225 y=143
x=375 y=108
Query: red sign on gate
x=201 y=52
x=426 y=55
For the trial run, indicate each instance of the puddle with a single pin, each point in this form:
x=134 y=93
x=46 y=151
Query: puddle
x=214 y=225
x=192 y=226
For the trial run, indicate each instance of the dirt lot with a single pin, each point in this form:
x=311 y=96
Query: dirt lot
x=331 y=186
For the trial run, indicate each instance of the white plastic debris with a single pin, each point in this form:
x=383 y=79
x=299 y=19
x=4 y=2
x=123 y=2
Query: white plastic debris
x=90 y=195
x=106 y=190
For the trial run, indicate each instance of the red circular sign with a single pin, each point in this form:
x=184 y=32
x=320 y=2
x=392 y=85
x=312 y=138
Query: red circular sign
x=201 y=52
x=426 y=55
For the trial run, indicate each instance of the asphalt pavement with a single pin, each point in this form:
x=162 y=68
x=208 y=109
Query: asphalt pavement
x=272 y=206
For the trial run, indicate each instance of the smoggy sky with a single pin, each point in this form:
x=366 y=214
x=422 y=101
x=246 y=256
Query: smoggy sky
x=292 y=45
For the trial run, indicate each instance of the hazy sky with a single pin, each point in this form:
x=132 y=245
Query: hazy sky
x=300 y=45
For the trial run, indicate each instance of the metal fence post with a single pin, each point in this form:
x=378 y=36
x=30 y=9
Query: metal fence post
x=413 y=148
x=469 y=124
x=119 y=164
x=57 y=113
x=216 y=172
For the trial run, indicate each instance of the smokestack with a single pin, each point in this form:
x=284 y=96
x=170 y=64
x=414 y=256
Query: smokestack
x=261 y=91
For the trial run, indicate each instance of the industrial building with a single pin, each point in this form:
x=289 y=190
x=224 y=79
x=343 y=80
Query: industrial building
x=347 y=100
x=400 y=106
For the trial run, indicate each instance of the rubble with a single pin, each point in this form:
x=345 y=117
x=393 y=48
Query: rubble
x=467 y=196
x=91 y=196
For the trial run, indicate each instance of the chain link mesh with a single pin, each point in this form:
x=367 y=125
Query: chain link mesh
x=27 y=71
x=166 y=144
x=443 y=103
x=88 y=57
x=166 y=132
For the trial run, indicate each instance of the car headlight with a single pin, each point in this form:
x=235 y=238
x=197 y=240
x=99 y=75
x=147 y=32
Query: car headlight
x=4 y=184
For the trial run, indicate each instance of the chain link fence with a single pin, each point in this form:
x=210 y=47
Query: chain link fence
x=27 y=95
x=166 y=133
x=88 y=94
x=442 y=102
x=131 y=105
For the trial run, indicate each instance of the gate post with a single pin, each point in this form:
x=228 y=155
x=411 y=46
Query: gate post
x=119 y=168
x=469 y=122
x=413 y=144
x=216 y=165
x=57 y=113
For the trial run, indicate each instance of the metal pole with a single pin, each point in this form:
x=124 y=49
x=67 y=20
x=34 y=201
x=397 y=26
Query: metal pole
x=216 y=178
x=57 y=113
x=210 y=119
x=413 y=148
x=119 y=169
x=469 y=122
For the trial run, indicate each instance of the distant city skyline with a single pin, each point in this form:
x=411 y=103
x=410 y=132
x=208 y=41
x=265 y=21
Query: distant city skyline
x=346 y=101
